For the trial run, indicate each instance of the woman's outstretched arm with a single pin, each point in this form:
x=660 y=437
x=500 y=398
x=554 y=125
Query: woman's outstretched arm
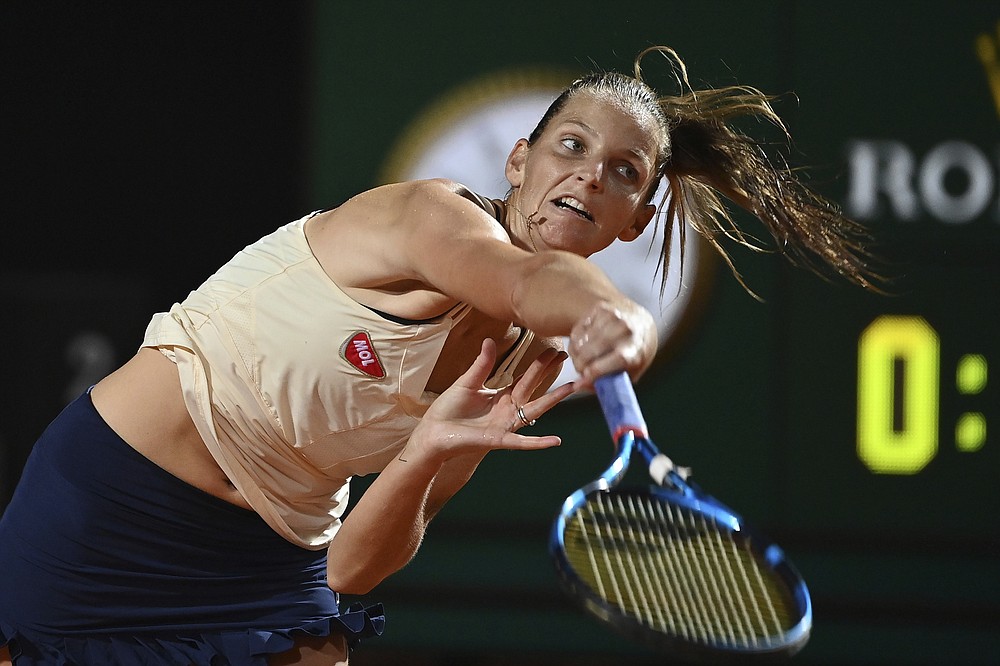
x=385 y=528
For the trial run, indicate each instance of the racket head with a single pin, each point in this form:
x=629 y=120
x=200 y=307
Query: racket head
x=675 y=570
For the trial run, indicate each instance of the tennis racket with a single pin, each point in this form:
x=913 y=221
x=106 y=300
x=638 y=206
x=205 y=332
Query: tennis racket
x=669 y=566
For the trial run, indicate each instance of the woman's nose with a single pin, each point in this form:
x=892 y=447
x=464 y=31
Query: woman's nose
x=592 y=174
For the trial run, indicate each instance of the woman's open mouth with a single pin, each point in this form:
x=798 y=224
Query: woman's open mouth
x=574 y=205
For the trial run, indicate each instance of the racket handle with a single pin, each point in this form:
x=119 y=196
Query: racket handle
x=620 y=406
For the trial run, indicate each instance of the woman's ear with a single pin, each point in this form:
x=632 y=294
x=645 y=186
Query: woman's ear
x=514 y=169
x=642 y=218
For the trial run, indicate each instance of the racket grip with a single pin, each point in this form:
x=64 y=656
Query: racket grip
x=619 y=404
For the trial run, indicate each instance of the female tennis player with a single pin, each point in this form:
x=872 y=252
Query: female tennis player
x=189 y=508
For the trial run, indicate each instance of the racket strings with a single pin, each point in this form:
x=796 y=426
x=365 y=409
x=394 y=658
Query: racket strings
x=675 y=571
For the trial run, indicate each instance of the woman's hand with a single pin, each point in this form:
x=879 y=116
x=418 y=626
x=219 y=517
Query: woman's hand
x=467 y=421
x=612 y=338
x=468 y=418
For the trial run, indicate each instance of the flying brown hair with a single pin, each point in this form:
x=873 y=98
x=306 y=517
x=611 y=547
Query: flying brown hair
x=703 y=155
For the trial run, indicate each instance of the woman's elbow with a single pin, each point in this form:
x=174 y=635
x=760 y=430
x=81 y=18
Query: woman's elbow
x=361 y=578
x=352 y=584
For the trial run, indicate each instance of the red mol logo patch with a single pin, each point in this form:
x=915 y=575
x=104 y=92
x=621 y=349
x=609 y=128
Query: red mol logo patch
x=359 y=352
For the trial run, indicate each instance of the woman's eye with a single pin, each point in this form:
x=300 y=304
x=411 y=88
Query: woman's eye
x=628 y=171
x=573 y=144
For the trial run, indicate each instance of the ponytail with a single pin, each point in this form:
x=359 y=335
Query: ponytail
x=708 y=157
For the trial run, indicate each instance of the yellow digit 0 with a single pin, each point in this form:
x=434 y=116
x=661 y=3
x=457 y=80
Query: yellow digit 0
x=886 y=444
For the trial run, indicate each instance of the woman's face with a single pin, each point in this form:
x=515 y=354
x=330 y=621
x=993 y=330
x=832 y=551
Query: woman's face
x=586 y=180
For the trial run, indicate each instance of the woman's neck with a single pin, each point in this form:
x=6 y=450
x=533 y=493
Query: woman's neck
x=517 y=224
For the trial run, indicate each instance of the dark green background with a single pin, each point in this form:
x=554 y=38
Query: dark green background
x=145 y=142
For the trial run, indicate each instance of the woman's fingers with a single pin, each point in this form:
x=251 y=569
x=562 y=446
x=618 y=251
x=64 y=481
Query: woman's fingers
x=535 y=409
x=541 y=370
x=481 y=368
x=611 y=339
x=468 y=418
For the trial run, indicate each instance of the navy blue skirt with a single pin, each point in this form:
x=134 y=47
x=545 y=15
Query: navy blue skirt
x=105 y=558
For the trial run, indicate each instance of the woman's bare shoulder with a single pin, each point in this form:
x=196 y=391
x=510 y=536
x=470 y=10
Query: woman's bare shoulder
x=387 y=224
x=423 y=205
x=386 y=247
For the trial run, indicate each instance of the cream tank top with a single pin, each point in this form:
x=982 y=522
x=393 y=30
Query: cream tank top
x=294 y=386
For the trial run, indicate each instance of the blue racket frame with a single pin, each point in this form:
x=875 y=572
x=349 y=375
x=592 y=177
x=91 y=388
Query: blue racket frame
x=628 y=430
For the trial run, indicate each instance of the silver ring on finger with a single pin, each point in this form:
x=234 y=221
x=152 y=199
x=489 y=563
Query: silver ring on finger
x=524 y=419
